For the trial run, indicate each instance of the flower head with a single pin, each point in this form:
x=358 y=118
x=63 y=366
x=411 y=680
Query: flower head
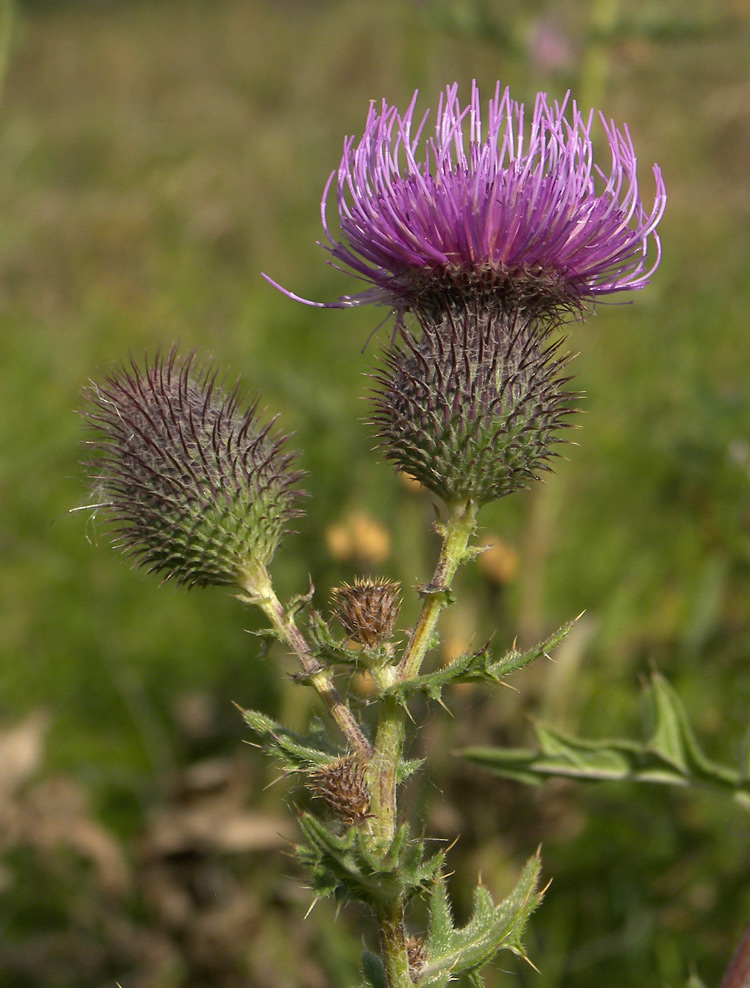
x=193 y=486
x=517 y=211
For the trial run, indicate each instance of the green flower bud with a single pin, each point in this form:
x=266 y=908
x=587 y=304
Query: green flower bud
x=193 y=486
x=471 y=408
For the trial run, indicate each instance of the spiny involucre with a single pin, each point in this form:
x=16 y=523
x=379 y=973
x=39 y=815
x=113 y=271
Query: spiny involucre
x=471 y=406
x=192 y=484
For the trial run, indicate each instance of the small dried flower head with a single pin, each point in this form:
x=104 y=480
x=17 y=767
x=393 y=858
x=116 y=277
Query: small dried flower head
x=368 y=610
x=193 y=486
x=518 y=212
x=416 y=952
x=471 y=408
x=343 y=785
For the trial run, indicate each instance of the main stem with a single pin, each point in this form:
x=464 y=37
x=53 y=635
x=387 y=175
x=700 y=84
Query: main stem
x=461 y=525
x=389 y=739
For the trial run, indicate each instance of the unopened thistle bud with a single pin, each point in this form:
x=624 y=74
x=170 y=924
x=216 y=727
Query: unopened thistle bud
x=342 y=784
x=194 y=487
x=471 y=408
x=368 y=610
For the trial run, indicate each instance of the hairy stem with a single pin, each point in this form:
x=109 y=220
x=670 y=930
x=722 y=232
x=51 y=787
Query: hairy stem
x=461 y=525
x=393 y=944
x=389 y=739
x=258 y=585
x=389 y=742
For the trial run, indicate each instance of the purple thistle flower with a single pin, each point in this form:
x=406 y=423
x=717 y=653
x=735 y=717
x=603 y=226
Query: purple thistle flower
x=519 y=214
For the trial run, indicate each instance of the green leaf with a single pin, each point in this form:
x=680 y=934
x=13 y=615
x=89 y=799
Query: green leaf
x=453 y=952
x=267 y=636
x=407 y=767
x=297 y=751
x=299 y=602
x=475 y=667
x=670 y=755
x=514 y=660
x=351 y=866
x=342 y=866
x=373 y=970
x=672 y=737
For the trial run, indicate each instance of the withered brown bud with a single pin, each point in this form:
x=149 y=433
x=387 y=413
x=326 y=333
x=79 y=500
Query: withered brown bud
x=417 y=955
x=368 y=610
x=343 y=786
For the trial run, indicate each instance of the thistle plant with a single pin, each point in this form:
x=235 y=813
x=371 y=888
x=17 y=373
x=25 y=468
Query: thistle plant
x=483 y=241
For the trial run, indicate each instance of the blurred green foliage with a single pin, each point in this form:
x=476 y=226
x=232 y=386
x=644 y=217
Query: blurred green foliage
x=154 y=159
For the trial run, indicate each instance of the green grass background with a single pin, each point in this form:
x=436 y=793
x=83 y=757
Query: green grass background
x=155 y=157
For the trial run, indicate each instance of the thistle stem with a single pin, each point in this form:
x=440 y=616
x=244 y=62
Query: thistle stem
x=389 y=742
x=389 y=739
x=393 y=944
x=258 y=585
x=461 y=525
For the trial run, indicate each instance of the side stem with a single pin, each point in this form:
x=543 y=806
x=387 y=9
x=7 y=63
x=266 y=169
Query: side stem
x=258 y=585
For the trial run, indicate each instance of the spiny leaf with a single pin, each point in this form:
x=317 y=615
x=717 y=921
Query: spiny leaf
x=441 y=917
x=342 y=866
x=670 y=755
x=407 y=767
x=475 y=667
x=298 y=751
x=514 y=660
x=351 y=866
x=464 y=951
x=299 y=602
